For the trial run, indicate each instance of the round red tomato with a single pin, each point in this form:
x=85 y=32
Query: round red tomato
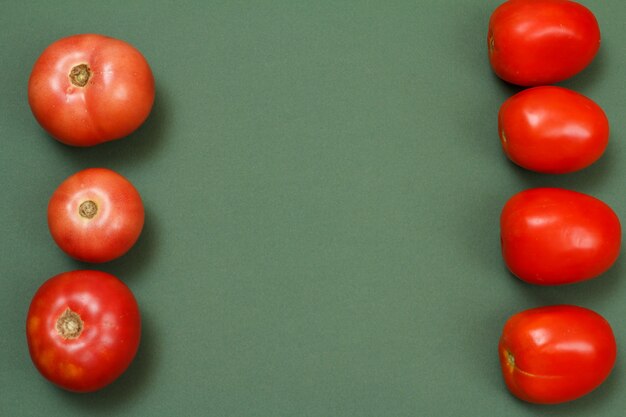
x=88 y=89
x=83 y=329
x=538 y=42
x=95 y=215
x=552 y=236
x=552 y=130
x=556 y=354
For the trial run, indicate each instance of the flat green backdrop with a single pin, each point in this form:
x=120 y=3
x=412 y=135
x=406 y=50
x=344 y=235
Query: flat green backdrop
x=323 y=181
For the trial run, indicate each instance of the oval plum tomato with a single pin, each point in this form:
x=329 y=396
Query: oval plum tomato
x=556 y=354
x=538 y=42
x=552 y=130
x=88 y=89
x=83 y=329
x=95 y=215
x=553 y=236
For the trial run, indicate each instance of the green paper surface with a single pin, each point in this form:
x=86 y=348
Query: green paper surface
x=322 y=182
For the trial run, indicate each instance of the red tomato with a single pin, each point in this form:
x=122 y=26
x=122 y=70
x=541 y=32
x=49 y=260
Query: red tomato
x=95 y=215
x=83 y=329
x=537 y=42
x=552 y=236
x=556 y=354
x=552 y=130
x=88 y=89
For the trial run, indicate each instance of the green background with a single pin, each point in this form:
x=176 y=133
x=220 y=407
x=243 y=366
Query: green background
x=323 y=181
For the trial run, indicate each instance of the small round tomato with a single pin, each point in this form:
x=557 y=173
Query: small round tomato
x=538 y=42
x=88 y=89
x=553 y=236
x=95 y=215
x=552 y=130
x=555 y=354
x=83 y=329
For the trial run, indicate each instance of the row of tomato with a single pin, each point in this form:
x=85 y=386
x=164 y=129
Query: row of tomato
x=83 y=327
x=552 y=236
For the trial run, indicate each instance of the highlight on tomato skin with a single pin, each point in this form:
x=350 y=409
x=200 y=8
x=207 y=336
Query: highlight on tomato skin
x=552 y=130
x=555 y=236
x=541 y=42
x=556 y=354
x=83 y=329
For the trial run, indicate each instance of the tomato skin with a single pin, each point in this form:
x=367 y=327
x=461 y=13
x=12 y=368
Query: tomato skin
x=553 y=236
x=116 y=225
x=116 y=100
x=555 y=354
x=110 y=336
x=539 y=42
x=552 y=130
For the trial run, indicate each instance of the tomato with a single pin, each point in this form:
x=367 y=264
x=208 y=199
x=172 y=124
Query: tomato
x=553 y=236
x=95 y=215
x=538 y=42
x=83 y=329
x=555 y=354
x=552 y=130
x=88 y=89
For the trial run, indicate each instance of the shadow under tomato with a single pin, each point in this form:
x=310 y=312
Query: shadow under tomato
x=138 y=148
x=585 y=180
x=583 y=406
x=588 y=404
x=128 y=387
x=588 y=293
x=135 y=260
x=592 y=75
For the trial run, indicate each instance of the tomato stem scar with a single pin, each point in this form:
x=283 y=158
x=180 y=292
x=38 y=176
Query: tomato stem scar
x=80 y=74
x=510 y=359
x=69 y=324
x=503 y=137
x=88 y=209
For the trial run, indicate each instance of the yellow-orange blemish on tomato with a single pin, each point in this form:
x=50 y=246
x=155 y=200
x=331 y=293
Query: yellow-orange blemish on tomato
x=70 y=371
x=33 y=324
x=46 y=360
x=510 y=360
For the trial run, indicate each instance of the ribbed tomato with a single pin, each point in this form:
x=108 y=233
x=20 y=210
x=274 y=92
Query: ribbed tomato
x=87 y=89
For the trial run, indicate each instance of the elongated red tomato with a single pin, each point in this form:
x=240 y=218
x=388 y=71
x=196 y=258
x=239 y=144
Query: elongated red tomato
x=553 y=236
x=555 y=354
x=539 y=42
x=552 y=130
x=95 y=215
x=83 y=329
x=87 y=89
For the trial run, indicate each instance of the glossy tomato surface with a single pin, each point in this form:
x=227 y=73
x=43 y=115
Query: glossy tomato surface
x=552 y=130
x=555 y=354
x=553 y=236
x=539 y=42
x=95 y=215
x=87 y=89
x=83 y=329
